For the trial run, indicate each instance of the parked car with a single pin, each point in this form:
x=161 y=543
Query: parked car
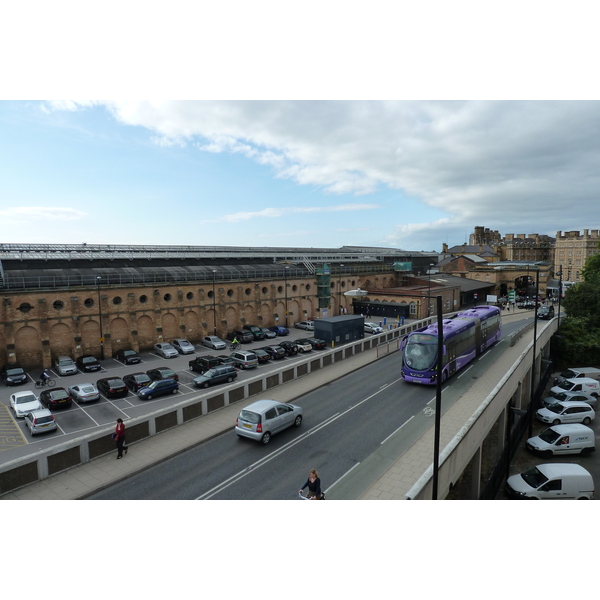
x=257 y=332
x=227 y=360
x=279 y=330
x=571 y=397
x=244 y=359
x=308 y=325
x=88 y=364
x=84 y=392
x=23 y=403
x=136 y=381
x=165 y=350
x=162 y=373
x=303 y=345
x=13 y=374
x=262 y=356
x=55 y=398
x=262 y=419
x=65 y=366
x=203 y=363
x=276 y=352
x=373 y=328
x=158 y=388
x=290 y=348
x=112 y=387
x=559 y=481
x=214 y=342
x=128 y=357
x=241 y=335
x=545 y=312
x=221 y=374
x=183 y=346
x=566 y=412
x=269 y=334
x=316 y=343
x=40 y=421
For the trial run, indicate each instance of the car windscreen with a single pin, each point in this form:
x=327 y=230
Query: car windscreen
x=556 y=408
x=17 y=371
x=25 y=399
x=534 y=477
x=250 y=417
x=42 y=420
x=89 y=359
x=549 y=436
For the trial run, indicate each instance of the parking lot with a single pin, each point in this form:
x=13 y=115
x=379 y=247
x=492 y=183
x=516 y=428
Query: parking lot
x=525 y=459
x=80 y=418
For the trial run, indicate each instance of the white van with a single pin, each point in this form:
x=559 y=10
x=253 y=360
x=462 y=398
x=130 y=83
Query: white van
x=587 y=385
x=555 y=481
x=563 y=439
x=578 y=372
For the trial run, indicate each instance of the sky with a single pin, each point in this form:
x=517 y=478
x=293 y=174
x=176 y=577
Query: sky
x=308 y=173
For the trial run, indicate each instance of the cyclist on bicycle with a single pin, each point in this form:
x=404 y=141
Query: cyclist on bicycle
x=314 y=486
x=235 y=343
x=45 y=376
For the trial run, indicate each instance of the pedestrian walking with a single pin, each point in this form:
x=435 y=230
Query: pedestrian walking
x=119 y=437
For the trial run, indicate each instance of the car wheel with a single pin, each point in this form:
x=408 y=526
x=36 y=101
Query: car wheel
x=205 y=384
x=556 y=422
x=266 y=438
x=175 y=391
x=149 y=397
x=298 y=421
x=229 y=379
x=587 y=421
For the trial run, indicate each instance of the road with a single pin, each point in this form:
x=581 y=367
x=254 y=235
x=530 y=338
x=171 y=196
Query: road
x=344 y=423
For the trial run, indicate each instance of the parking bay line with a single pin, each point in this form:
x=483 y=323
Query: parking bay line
x=235 y=478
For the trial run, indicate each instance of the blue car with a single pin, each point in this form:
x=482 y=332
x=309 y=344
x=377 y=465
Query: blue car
x=279 y=330
x=158 y=388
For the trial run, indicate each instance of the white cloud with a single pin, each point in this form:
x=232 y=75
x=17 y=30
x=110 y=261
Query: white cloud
x=280 y=212
x=511 y=166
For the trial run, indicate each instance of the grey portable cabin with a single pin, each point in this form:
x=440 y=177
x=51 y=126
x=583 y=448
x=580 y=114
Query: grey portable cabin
x=340 y=330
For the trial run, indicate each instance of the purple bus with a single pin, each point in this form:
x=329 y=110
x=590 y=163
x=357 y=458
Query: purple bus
x=466 y=335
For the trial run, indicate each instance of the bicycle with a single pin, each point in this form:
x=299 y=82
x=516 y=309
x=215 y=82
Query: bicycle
x=303 y=497
x=44 y=382
x=235 y=346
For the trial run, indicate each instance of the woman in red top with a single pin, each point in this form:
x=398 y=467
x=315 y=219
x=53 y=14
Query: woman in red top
x=120 y=438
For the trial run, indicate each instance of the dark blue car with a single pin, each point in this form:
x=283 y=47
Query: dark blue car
x=158 y=388
x=279 y=330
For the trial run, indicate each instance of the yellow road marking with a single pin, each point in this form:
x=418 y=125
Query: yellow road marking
x=11 y=435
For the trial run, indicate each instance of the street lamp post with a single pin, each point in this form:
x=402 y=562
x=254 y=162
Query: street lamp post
x=438 y=398
x=532 y=399
x=214 y=304
x=340 y=292
x=285 y=272
x=559 y=295
x=98 y=279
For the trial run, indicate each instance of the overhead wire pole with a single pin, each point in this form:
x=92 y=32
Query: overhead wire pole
x=438 y=398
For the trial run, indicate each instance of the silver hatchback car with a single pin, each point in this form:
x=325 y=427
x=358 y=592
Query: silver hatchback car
x=263 y=418
x=40 y=421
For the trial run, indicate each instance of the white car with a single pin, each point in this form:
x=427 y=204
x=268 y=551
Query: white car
x=566 y=412
x=183 y=346
x=571 y=397
x=373 y=328
x=23 y=403
x=308 y=325
x=165 y=350
x=214 y=342
x=84 y=392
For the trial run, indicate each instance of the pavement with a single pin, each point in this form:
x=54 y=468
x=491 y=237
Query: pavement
x=392 y=478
